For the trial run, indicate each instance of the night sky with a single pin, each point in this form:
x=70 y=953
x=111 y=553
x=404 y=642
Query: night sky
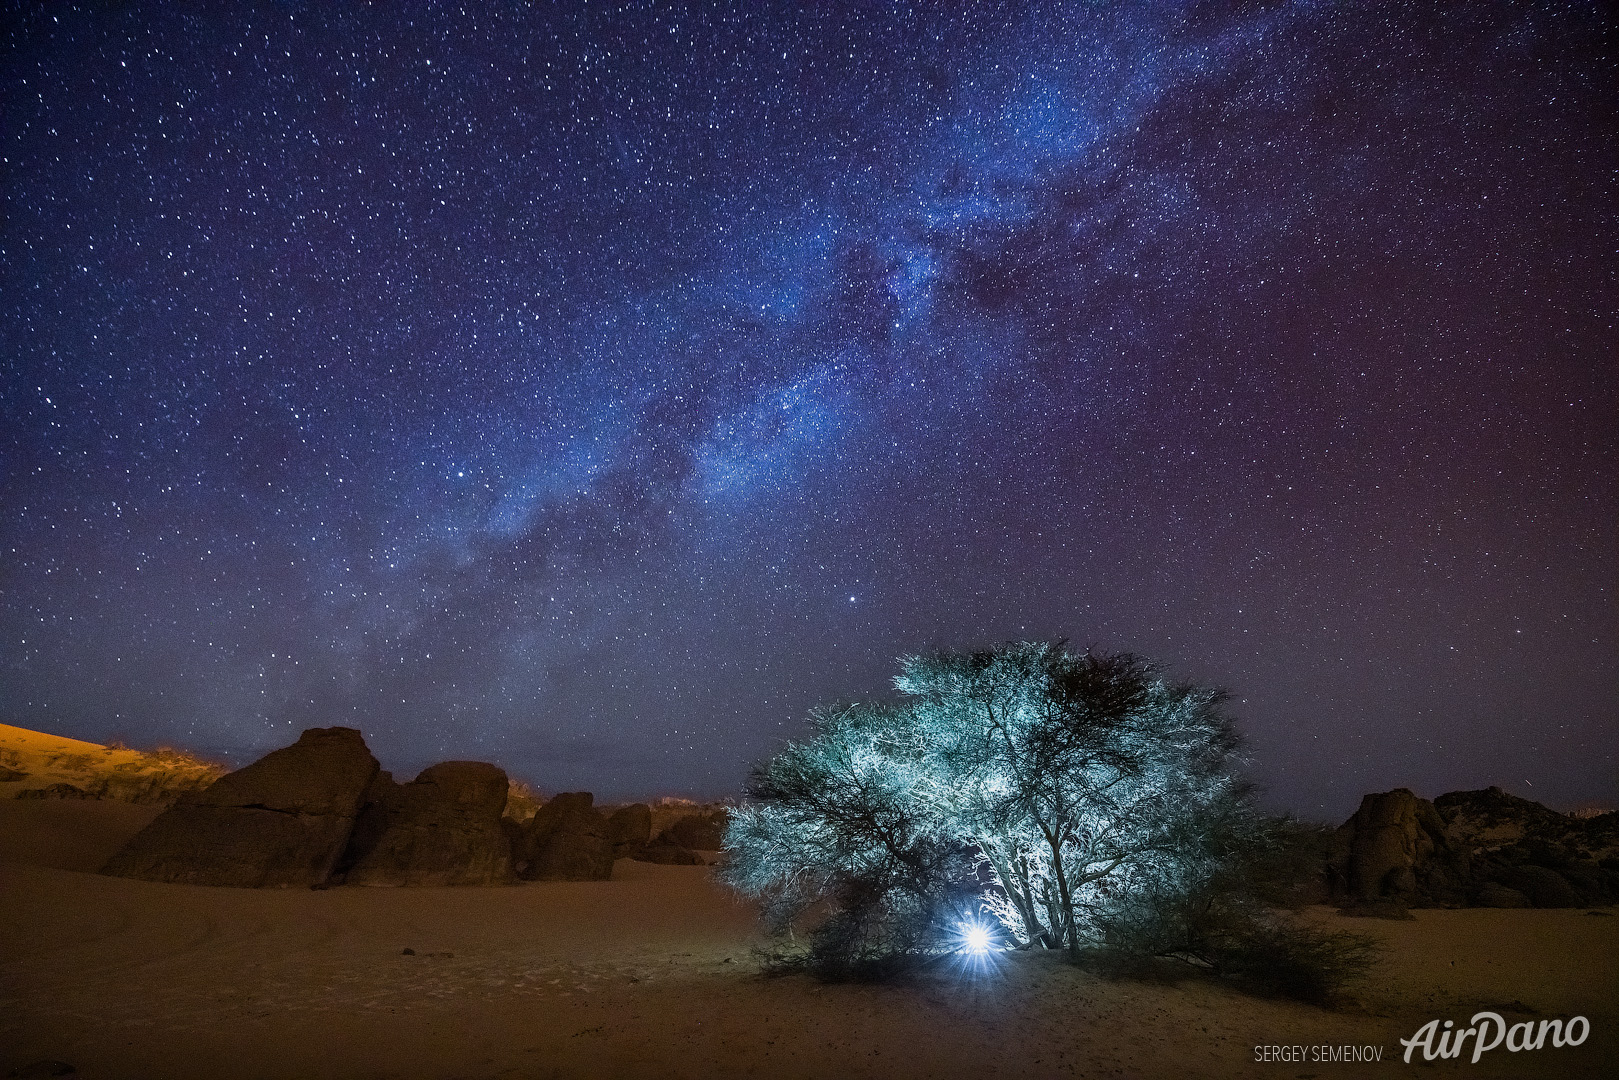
x=594 y=389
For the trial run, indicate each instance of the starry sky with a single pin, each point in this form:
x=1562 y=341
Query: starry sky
x=594 y=388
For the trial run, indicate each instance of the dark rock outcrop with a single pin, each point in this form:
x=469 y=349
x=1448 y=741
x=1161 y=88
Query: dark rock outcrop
x=698 y=832
x=370 y=824
x=1473 y=848
x=282 y=821
x=1544 y=887
x=443 y=828
x=566 y=840
x=521 y=802
x=1395 y=849
x=630 y=829
x=1519 y=847
x=1486 y=820
x=669 y=855
x=56 y=791
x=1491 y=894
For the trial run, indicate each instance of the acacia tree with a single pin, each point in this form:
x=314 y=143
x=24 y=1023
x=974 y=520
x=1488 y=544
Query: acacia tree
x=1078 y=778
x=839 y=822
x=1081 y=800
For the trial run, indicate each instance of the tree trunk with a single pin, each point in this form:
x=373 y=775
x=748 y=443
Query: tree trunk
x=1070 y=931
x=1016 y=883
x=1054 y=918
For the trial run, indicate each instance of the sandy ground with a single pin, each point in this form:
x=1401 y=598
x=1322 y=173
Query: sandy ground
x=651 y=975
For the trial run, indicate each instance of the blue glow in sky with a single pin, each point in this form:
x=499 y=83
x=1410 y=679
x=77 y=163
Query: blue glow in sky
x=595 y=390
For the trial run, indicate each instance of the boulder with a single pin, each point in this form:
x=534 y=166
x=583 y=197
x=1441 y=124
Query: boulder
x=1491 y=894
x=155 y=780
x=369 y=824
x=1524 y=848
x=1395 y=848
x=1490 y=819
x=282 y=821
x=56 y=791
x=1485 y=848
x=443 y=828
x=566 y=840
x=669 y=855
x=630 y=828
x=698 y=832
x=1545 y=888
x=521 y=802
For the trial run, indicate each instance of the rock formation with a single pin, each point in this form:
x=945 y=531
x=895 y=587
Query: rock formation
x=1491 y=819
x=282 y=821
x=443 y=828
x=1394 y=848
x=697 y=832
x=522 y=803
x=1473 y=848
x=1519 y=848
x=56 y=791
x=630 y=828
x=669 y=855
x=320 y=812
x=566 y=840
x=681 y=839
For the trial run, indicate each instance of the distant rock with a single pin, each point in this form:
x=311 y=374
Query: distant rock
x=669 y=855
x=1395 y=849
x=1490 y=819
x=443 y=828
x=55 y=791
x=630 y=829
x=1544 y=887
x=282 y=821
x=566 y=840
x=1552 y=859
x=698 y=832
x=1493 y=894
x=1484 y=848
x=162 y=776
x=521 y=803
x=37 y=765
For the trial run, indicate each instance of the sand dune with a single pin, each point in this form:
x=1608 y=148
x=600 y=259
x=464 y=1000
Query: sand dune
x=33 y=762
x=650 y=975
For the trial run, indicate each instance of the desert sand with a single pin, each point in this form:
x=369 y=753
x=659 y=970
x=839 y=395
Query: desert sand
x=651 y=974
x=31 y=761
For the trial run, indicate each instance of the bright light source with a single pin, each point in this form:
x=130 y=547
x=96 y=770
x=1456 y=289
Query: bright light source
x=975 y=938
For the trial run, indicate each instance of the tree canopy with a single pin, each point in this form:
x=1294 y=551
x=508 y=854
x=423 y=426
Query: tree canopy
x=1068 y=800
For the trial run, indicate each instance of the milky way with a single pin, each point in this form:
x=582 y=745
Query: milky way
x=593 y=390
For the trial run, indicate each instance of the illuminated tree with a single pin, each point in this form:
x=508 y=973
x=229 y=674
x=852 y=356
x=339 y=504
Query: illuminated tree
x=1079 y=779
x=1081 y=801
x=841 y=822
